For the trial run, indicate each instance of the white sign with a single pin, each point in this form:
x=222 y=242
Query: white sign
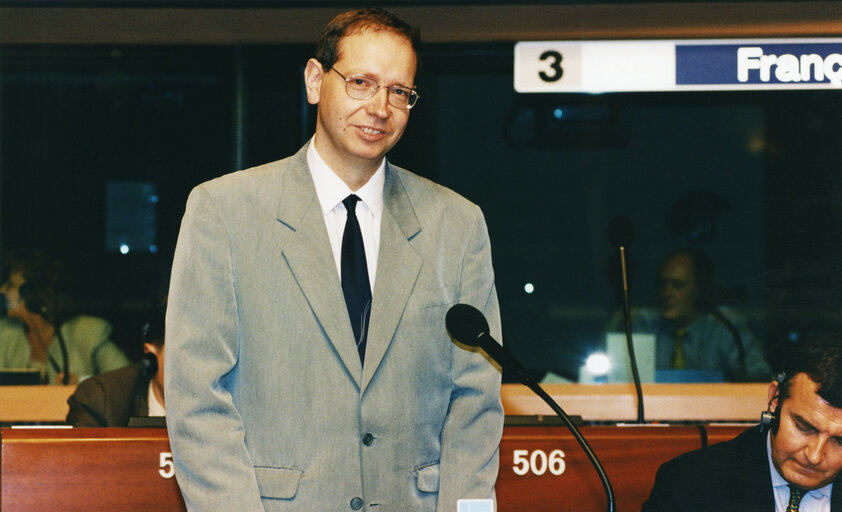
x=678 y=65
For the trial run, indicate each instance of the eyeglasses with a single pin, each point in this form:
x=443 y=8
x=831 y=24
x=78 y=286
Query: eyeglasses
x=363 y=88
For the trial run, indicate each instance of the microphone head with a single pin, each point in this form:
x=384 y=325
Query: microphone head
x=465 y=324
x=620 y=231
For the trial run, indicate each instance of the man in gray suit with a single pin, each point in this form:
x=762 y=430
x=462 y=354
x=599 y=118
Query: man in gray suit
x=308 y=366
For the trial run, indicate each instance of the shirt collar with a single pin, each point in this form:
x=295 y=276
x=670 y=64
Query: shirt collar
x=778 y=481
x=331 y=190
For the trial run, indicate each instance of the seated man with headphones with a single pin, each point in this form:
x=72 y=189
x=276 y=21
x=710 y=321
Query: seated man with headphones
x=41 y=331
x=137 y=390
x=790 y=462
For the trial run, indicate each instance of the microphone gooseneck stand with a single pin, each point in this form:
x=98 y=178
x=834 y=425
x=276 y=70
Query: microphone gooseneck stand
x=603 y=477
x=627 y=317
x=43 y=311
x=621 y=235
x=468 y=326
x=65 y=379
x=742 y=374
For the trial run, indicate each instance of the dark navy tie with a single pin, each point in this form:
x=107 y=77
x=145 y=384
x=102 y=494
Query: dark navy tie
x=355 y=284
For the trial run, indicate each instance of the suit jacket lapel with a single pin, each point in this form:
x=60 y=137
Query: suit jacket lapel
x=836 y=495
x=309 y=256
x=398 y=266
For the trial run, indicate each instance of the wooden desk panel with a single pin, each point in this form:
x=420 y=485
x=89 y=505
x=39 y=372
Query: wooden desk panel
x=87 y=470
x=662 y=402
x=126 y=469
x=34 y=403
x=721 y=433
x=630 y=455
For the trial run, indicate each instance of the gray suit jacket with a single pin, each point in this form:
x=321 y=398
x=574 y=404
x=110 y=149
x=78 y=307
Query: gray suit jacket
x=268 y=404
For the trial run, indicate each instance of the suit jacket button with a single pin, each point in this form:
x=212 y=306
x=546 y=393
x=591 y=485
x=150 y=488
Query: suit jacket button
x=368 y=439
x=356 y=503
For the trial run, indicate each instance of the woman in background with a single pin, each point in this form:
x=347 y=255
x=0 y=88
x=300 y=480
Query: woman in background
x=41 y=330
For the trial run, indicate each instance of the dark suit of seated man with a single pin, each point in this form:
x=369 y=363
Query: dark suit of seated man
x=136 y=390
x=794 y=455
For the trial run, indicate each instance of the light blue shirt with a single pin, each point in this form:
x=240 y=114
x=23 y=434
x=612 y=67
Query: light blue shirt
x=708 y=343
x=817 y=500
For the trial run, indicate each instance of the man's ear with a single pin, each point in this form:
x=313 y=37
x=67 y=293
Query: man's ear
x=772 y=397
x=149 y=348
x=313 y=75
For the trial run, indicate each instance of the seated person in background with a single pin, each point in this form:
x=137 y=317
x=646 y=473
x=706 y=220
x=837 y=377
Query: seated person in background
x=110 y=399
x=691 y=332
x=37 y=302
x=792 y=459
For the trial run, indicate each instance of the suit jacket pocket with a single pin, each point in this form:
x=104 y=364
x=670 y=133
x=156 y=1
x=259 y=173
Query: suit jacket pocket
x=277 y=482
x=428 y=478
x=431 y=297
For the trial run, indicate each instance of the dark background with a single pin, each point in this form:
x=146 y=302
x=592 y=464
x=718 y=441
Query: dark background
x=750 y=177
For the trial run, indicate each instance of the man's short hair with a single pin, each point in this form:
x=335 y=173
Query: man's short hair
x=153 y=329
x=350 y=22
x=821 y=359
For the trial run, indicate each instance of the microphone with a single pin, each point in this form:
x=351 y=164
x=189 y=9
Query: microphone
x=467 y=325
x=621 y=235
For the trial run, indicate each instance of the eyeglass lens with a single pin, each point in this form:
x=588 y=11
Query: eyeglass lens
x=363 y=88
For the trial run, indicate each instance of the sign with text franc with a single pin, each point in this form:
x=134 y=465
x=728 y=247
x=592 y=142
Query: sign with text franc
x=678 y=65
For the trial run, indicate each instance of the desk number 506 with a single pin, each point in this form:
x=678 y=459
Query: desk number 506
x=538 y=463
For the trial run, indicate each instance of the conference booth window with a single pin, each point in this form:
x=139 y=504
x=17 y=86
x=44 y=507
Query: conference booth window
x=100 y=145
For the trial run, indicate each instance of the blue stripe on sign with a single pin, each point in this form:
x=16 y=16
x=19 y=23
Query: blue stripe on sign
x=758 y=63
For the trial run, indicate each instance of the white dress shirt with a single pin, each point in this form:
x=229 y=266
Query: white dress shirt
x=331 y=190
x=817 y=500
x=156 y=408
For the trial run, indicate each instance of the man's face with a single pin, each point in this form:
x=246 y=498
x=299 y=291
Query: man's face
x=677 y=290
x=807 y=448
x=358 y=133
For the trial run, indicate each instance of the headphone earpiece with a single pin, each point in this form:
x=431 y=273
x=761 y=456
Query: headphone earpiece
x=770 y=420
x=148 y=364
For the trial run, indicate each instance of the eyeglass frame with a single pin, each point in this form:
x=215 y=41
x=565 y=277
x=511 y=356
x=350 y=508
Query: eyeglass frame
x=411 y=90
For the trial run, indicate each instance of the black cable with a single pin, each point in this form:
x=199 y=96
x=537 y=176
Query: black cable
x=597 y=465
x=735 y=333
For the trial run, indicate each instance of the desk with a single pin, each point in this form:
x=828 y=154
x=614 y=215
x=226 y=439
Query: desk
x=87 y=469
x=130 y=469
x=630 y=456
x=601 y=402
x=28 y=404
x=662 y=402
